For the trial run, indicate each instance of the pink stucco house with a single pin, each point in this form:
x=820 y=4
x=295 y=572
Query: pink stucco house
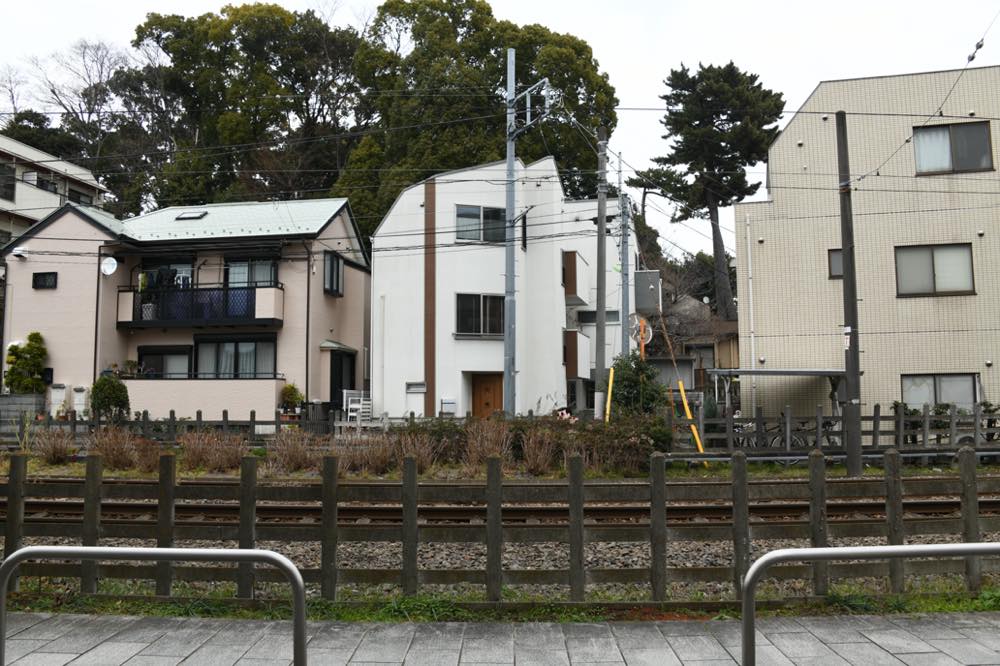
x=205 y=307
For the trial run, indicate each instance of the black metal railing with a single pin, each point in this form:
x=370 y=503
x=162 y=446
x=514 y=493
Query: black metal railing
x=201 y=304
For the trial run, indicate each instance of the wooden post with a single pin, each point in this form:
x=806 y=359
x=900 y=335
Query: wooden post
x=577 y=573
x=926 y=436
x=741 y=521
x=413 y=418
x=952 y=425
x=900 y=427
x=977 y=424
x=970 y=515
x=145 y=423
x=91 y=521
x=729 y=430
x=761 y=437
x=786 y=426
x=22 y=428
x=331 y=418
x=252 y=430
x=165 y=520
x=72 y=424
x=48 y=421
x=410 y=534
x=277 y=421
x=700 y=415
x=876 y=423
x=817 y=519
x=248 y=524
x=14 y=528
x=172 y=428
x=658 y=524
x=328 y=556
x=894 y=517
x=225 y=421
x=197 y=420
x=494 y=530
x=819 y=426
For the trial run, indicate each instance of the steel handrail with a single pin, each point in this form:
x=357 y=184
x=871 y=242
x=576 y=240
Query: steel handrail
x=757 y=569
x=160 y=555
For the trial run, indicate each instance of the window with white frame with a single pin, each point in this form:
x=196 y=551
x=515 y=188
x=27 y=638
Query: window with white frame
x=934 y=270
x=953 y=148
x=835 y=261
x=479 y=314
x=333 y=274
x=959 y=389
x=479 y=223
x=239 y=357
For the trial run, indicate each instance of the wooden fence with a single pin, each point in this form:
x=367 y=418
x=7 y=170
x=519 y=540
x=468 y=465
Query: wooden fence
x=497 y=495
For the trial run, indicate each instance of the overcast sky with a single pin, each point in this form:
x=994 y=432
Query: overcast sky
x=791 y=44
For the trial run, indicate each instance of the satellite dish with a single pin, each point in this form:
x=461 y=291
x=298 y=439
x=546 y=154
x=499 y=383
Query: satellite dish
x=109 y=265
x=639 y=328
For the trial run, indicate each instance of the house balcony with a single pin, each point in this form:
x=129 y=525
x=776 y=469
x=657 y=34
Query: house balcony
x=187 y=395
x=200 y=306
x=574 y=278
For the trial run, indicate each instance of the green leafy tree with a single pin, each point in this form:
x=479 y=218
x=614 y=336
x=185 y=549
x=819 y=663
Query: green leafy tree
x=719 y=121
x=35 y=129
x=25 y=364
x=109 y=398
x=637 y=389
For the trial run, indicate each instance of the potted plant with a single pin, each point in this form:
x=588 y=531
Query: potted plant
x=130 y=368
x=291 y=398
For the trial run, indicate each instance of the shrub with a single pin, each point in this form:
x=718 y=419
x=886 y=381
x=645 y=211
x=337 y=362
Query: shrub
x=636 y=389
x=291 y=396
x=53 y=447
x=487 y=438
x=25 y=364
x=448 y=436
x=538 y=449
x=147 y=455
x=116 y=447
x=211 y=451
x=375 y=454
x=109 y=398
x=293 y=450
x=419 y=446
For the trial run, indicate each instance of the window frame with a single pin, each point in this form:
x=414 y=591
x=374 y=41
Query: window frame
x=935 y=293
x=249 y=261
x=482 y=225
x=37 y=280
x=4 y=165
x=583 y=317
x=951 y=148
x=143 y=351
x=80 y=195
x=219 y=340
x=976 y=379
x=482 y=334
x=829 y=264
x=330 y=289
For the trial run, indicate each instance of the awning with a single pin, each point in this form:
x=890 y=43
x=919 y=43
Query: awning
x=333 y=345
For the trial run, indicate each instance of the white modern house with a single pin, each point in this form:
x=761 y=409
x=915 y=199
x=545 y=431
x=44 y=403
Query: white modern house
x=34 y=183
x=438 y=294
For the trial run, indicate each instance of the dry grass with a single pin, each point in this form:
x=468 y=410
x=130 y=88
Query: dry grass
x=539 y=448
x=419 y=446
x=487 y=438
x=116 y=447
x=293 y=450
x=53 y=447
x=147 y=455
x=211 y=451
x=367 y=455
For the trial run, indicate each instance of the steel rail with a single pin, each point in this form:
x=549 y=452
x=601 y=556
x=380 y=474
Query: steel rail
x=276 y=560
x=757 y=569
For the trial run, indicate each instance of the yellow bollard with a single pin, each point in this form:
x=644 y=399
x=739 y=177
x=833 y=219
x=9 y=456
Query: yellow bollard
x=687 y=412
x=611 y=386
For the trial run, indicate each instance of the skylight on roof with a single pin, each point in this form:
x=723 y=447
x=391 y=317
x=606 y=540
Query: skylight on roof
x=192 y=215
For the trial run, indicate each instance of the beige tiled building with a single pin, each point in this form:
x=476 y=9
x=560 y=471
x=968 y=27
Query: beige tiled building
x=926 y=201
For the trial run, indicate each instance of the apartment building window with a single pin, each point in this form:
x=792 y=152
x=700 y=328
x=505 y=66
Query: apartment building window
x=934 y=270
x=957 y=389
x=241 y=357
x=333 y=274
x=479 y=223
x=8 y=178
x=835 y=261
x=165 y=362
x=44 y=280
x=590 y=316
x=953 y=148
x=79 y=197
x=251 y=272
x=479 y=314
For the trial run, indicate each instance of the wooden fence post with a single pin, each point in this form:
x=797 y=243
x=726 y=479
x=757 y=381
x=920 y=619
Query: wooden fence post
x=977 y=424
x=172 y=428
x=22 y=428
x=248 y=524
x=577 y=573
x=819 y=426
x=658 y=524
x=729 y=430
x=894 y=516
x=494 y=530
x=926 y=434
x=91 y=520
x=876 y=423
x=900 y=427
x=48 y=421
x=331 y=418
x=225 y=421
x=197 y=420
x=72 y=424
x=277 y=421
x=145 y=423
x=166 y=497
x=329 y=542
x=741 y=521
x=817 y=519
x=252 y=429
x=14 y=528
x=967 y=460
x=786 y=426
x=410 y=533
x=952 y=425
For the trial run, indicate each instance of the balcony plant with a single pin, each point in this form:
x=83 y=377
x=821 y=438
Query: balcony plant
x=291 y=398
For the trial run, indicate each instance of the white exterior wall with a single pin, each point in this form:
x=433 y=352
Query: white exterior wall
x=398 y=305
x=798 y=310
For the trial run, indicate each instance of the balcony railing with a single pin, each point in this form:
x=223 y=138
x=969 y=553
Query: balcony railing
x=203 y=305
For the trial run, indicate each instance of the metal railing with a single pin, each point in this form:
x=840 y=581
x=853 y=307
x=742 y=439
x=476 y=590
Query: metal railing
x=757 y=569
x=164 y=555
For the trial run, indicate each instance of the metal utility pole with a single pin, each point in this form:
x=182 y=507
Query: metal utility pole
x=852 y=355
x=510 y=296
x=623 y=211
x=600 y=380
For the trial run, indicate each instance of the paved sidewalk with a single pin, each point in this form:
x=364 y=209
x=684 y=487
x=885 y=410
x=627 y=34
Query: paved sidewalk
x=938 y=640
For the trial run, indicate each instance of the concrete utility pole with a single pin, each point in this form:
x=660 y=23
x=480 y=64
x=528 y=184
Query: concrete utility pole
x=600 y=380
x=510 y=296
x=623 y=211
x=852 y=355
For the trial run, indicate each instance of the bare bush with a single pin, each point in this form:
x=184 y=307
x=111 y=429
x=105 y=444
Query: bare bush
x=374 y=455
x=147 y=455
x=293 y=450
x=116 y=447
x=211 y=451
x=487 y=438
x=53 y=447
x=420 y=446
x=539 y=447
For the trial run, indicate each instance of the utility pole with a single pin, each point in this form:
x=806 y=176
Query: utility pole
x=623 y=211
x=602 y=214
x=852 y=355
x=510 y=284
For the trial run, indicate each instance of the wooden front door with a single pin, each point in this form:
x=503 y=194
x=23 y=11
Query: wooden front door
x=487 y=394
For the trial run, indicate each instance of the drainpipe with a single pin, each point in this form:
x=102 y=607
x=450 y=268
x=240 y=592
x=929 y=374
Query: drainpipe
x=309 y=274
x=97 y=310
x=753 y=342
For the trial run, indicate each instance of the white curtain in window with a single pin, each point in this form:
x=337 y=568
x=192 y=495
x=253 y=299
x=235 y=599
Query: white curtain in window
x=248 y=359
x=958 y=390
x=953 y=268
x=932 y=146
x=918 y=390
x=175 y=366
x=227 y=359
x=914 y=270
x=206 y=360
x=265 y=359
x=468 y=223
x=261 y=273
x=239 y=274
